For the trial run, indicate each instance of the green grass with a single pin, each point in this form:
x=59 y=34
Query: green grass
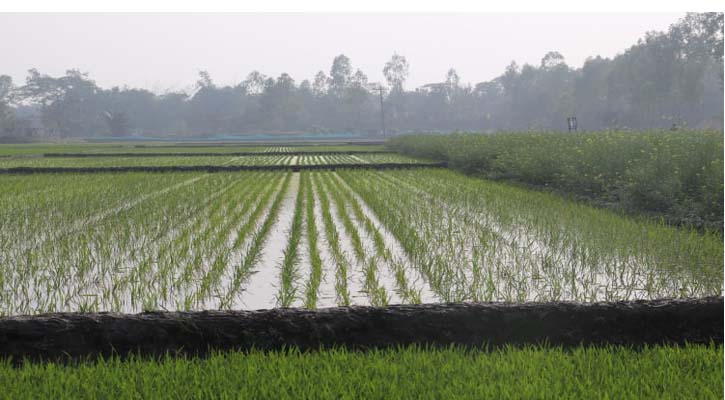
x=691 y=372
x=676 y=175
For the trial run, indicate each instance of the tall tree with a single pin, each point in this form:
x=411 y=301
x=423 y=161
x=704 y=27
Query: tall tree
x=396 y=72
x=7 y=116
x=320 y=84
x=340 y=75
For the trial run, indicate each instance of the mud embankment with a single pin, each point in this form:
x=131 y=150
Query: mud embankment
x=212 y=154
x=638 y=323
x=212 y=168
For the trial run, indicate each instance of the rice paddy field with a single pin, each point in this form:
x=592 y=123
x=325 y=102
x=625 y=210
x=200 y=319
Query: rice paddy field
x=220 y=160
x=136 y=241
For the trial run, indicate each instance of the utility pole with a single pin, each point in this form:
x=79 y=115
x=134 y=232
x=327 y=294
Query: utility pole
x=381 y=89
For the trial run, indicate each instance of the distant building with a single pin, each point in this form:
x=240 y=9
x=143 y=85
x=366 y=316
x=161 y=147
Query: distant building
x=431 y=87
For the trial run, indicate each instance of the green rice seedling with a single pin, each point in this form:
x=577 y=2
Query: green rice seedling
x=407 y=293
x=341 y=272
x=313 y=283
x=288 y=274
x=661 y=372
x=252 y=252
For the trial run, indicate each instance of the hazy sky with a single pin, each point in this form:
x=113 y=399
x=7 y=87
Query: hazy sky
x=165 y=51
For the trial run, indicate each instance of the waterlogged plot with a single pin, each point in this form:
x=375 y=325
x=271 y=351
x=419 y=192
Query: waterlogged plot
x=129 y=242
x=476 y=240
x=188 y=241
x=221 y=160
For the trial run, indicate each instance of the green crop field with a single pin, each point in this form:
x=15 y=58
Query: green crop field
x=221 y=160
x=692 y=372
x=189 y=241
x=134 y=241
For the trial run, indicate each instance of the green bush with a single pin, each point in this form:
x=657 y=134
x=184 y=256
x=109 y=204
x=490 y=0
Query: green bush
x=677 y=175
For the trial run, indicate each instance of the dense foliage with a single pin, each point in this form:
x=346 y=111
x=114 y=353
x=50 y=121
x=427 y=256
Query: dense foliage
x=667 y=78
x=690 y=372
x=675 y=174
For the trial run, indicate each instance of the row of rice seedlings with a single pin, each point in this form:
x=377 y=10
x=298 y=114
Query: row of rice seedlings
x=510 y=261
x=220 y=254
x=313 y=283
x=153 y=267
x=80 y=200
x=618 y=256
x=243 y=239
x=288 y=274
x=361 y=182
x=173 y=259
x=233 y=245
x=155 y=279
x=333 y=240
x=277 y=149
x=78 y=260
x=404 y=289
x=252 y=252
x=376 y=292
x=517 y=256
x=84 y=253
x=513 y=253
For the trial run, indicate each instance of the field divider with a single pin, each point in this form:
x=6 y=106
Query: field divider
x=214 y=168
x=70 y=336
x=212 y=154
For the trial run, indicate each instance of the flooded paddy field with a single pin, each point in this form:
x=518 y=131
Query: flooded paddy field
x=129 y=242
x=264 y=159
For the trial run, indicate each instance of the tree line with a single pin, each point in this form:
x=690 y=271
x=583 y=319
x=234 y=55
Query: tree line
x=667 y=79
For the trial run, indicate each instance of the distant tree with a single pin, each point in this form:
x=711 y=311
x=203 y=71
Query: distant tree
x=396 y=72
x=117 y=123
x=358 y=95
x=204 y=80
x=320 y=84
x=452 y=84
x=340 y=75
x=667 y=77
x=67 y=103
x=7 y=117
x=254 y=84
x=552 y=59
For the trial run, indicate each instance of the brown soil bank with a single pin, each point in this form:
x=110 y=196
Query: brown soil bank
x=60 y=336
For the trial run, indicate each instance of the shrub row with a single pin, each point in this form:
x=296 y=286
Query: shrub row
x=676 y=175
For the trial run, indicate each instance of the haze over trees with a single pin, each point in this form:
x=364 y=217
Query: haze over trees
x=665 y=79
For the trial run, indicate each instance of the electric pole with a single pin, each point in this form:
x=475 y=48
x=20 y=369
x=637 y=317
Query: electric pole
x=381 y=89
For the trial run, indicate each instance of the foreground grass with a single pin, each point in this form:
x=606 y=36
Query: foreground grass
x=692 y=372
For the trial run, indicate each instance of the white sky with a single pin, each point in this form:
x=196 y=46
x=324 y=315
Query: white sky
x=165 y=51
